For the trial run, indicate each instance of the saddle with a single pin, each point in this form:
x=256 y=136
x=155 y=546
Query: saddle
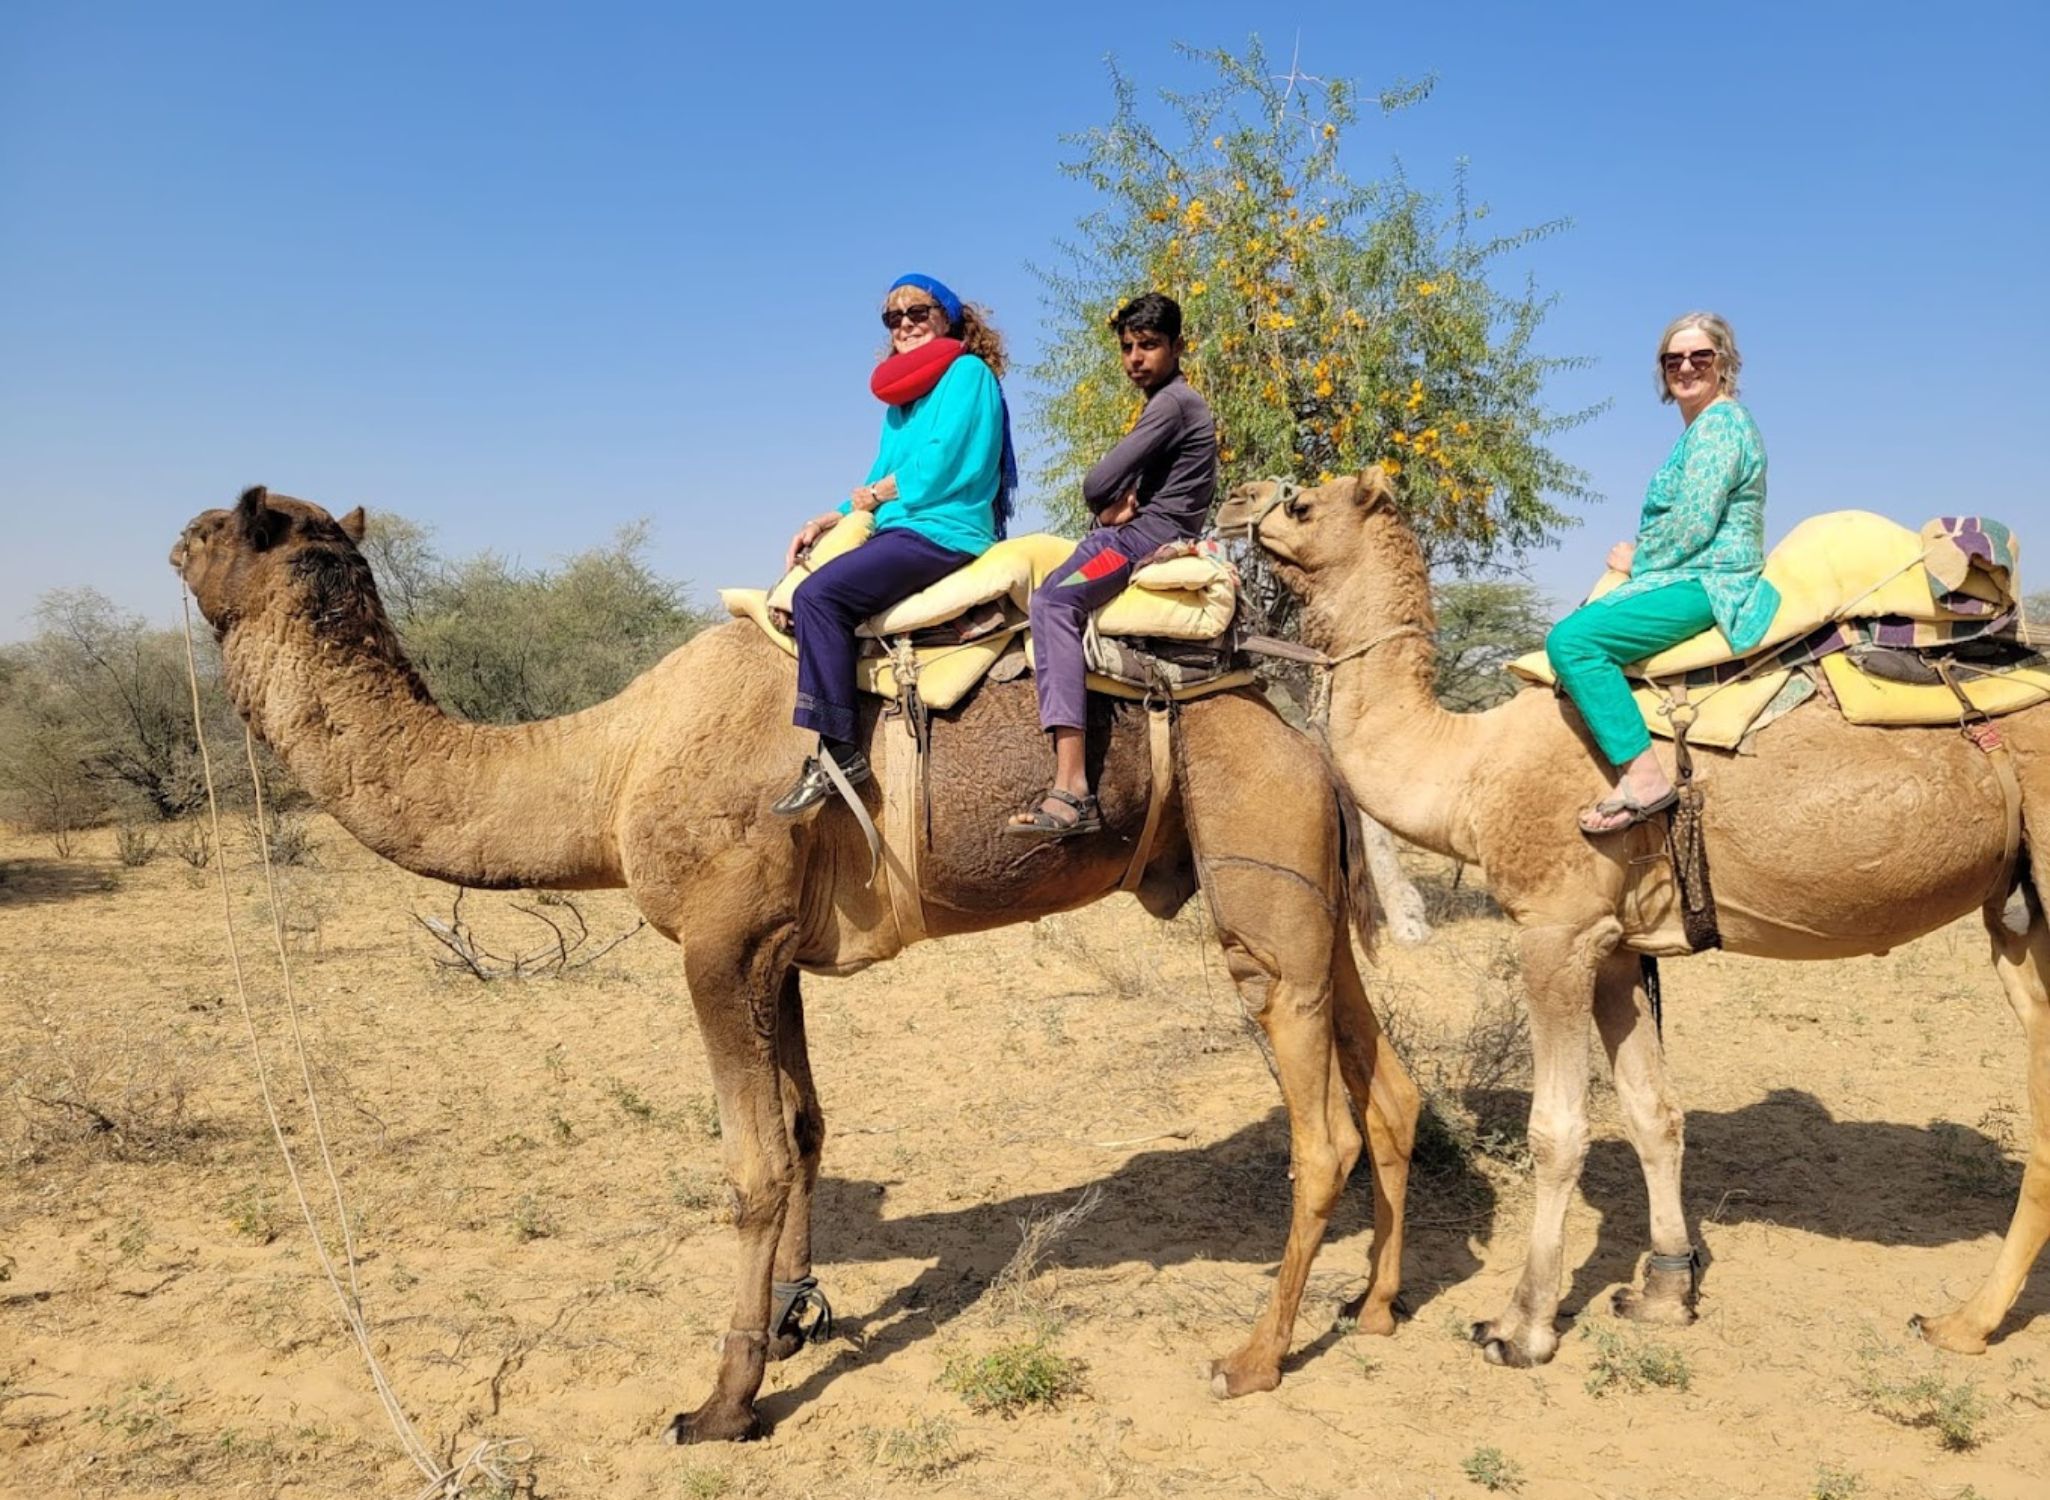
x=1167 y=636
x=1892 y=626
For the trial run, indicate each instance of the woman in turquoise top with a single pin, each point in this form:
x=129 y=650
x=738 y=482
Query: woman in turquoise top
x=1696 y=564
x=940 y=489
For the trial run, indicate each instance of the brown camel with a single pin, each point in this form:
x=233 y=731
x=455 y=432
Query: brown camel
x=1831 y=840
x=665 y=791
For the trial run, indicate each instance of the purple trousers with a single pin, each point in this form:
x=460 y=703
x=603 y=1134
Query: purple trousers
x=889 y=566
x=1095 y=573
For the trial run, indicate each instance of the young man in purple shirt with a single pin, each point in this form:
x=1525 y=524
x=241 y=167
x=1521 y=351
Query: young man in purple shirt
x=1153 y=488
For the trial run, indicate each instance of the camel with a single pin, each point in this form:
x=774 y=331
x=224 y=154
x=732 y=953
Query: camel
x=1831 y=840
x=665 y=790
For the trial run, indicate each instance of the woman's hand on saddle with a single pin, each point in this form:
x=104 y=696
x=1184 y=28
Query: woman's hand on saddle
x=1122 y=510
x=808 y=533
x=1622 y=555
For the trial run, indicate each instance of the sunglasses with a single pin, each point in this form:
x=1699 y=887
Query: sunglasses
x=915 y=315
x=1700 y=359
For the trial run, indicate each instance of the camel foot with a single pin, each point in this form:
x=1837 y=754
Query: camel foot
x=714 y=1422
x=1949 y=1333
x=1667 y=1295
x=1238 y=1376
x=1372 y=1317
x=1511 y=1351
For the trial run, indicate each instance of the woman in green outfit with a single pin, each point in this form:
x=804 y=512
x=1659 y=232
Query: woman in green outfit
x=1696 y=563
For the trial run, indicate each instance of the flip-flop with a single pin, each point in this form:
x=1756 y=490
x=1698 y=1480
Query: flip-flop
x=1640 y=812
x=1047 y=827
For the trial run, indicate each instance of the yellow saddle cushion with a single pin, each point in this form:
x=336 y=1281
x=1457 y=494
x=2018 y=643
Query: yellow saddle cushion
x=1874 y=700
x=1184 y=598
x=1723 y=714
x=947 y=674
x=1844 y=565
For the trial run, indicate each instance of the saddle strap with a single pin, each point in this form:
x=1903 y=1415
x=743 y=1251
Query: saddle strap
x=1686 y=839
x=853 y=800
x=1160 y=740
x=902 y=762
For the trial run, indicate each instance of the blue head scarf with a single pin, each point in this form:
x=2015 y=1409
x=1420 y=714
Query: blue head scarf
x=1007 y=481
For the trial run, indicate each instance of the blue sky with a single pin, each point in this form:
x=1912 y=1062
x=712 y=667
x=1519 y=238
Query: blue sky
x=526 y=273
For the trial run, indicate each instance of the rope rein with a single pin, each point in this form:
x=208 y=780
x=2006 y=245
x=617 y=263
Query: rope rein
x=486 y=1461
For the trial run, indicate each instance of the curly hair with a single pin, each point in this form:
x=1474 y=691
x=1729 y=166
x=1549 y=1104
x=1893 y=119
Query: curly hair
x=974 y=330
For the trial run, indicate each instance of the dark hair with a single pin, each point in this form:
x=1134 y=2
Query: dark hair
x=1150 y=312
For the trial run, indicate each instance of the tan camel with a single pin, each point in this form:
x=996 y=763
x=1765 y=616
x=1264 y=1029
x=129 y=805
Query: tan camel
x=665 y=790
x=1831 y=840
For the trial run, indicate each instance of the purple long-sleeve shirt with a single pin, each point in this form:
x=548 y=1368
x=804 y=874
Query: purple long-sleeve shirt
x=1171 y=454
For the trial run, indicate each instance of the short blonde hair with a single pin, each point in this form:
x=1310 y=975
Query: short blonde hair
x=1727 y=361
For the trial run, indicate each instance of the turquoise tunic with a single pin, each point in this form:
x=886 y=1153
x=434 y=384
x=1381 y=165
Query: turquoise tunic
x=947 y=451
x=1704 y=521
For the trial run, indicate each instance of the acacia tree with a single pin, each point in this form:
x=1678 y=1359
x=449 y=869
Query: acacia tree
x=1334 y=324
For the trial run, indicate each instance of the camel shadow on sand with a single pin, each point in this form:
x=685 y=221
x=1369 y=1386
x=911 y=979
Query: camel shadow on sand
x=1784 y=1159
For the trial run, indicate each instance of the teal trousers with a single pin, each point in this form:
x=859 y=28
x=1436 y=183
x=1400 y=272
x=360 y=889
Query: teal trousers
x=1590 y=647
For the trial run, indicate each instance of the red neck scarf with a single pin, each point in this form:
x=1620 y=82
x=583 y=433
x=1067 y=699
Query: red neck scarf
x=903 y=378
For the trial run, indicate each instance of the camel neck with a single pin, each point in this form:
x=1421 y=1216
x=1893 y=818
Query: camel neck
x=1406 y=757
x=485 y=805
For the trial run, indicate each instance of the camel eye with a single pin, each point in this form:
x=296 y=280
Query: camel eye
x=1297 y=508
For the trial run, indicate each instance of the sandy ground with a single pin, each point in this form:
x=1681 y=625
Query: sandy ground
x=534 y=1178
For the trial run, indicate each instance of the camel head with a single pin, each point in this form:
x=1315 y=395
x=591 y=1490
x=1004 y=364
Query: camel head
x=1311 y=530
x=272 y=550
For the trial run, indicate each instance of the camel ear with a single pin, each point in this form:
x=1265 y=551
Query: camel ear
x=1372 y=487
x=353 y=523
x=261 y=528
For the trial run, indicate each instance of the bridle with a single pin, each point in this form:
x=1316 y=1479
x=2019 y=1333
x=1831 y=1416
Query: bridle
x=1286 y=490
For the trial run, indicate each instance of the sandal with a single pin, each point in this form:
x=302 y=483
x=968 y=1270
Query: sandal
x=1639 y=812
x=1049 y=827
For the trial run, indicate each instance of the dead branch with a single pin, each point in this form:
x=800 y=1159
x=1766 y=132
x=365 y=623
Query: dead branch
x=567 y=951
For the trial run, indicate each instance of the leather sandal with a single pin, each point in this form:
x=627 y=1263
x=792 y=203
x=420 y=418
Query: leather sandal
x=1048 y=827
x=1640 y=812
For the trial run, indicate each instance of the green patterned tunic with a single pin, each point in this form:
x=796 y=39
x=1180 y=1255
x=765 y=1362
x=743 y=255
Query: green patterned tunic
x=1704 y=520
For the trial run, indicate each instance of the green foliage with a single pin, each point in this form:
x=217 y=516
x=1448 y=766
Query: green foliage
x=1492 y=1470
x=1333 y=324
x=1832 y=1483
x=924 y=1448
x=1483 y=625
x=500 y=643
x=1955 y=1412
x=1013 y=1377
x=1632 y=1362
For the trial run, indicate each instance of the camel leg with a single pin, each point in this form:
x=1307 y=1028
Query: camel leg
x=1288 y=986
x=1559 y=966
x=1381 y=1088
x=736 y=986
x=806 y=1124
x=1657 y=1129
x=2024 y=966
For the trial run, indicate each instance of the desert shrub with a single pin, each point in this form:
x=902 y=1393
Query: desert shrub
x=502 y=643
x=134 y=846
x=1632 y=1361
x=1013 y=1378
x=114 y=1090
x=924 y=1448
x=193 y=842
x=1491 y=1469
